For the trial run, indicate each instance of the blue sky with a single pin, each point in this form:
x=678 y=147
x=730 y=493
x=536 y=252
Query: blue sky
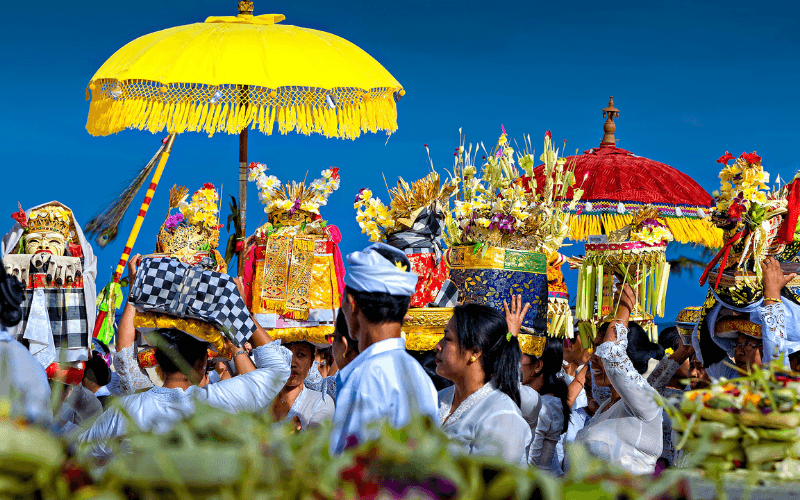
x=691 y=79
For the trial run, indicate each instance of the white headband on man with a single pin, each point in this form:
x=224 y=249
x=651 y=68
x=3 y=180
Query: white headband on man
x=369 y=271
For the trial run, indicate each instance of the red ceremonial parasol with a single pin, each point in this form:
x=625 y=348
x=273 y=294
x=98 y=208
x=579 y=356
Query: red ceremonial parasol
x=617 y=182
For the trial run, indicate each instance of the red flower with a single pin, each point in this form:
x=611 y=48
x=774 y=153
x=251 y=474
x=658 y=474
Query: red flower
x=548 y=135
x=735 y=211
x=239 y=246
x=252 y=165
x=425 y=145
x=335 y=172
x=724 y=159
x=208 y=185
x=20 y=216
x=751 y=157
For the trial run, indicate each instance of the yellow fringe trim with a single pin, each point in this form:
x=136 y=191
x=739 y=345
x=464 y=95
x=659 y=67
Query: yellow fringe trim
x=193 y=327
x=315 y=334
x=178 y=108
x=684 y=229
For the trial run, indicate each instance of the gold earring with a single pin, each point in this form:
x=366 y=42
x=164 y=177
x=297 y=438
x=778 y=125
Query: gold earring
x=472 y=359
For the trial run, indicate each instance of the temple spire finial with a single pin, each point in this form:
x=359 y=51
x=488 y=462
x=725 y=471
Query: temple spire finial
x=609 y=113
x=246 y=7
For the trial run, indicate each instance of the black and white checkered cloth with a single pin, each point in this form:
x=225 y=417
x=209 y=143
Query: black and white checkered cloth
x=167 y=285
x=66 y=309
x=425 y=233
x=447 y=296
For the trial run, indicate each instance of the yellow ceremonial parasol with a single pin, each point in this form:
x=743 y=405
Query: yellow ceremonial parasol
x=229 y=74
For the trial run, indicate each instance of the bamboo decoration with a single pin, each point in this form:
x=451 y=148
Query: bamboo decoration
x=137 y=226
x=637 y=256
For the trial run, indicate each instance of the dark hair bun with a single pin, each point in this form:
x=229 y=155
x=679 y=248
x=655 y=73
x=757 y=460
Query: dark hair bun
x=640 y=349
x=12 y=294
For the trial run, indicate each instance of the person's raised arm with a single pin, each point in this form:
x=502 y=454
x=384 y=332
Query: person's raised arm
x=576 y=386
x=126 y=334
x=632 y=387
x=132 y=377
x=772 y=313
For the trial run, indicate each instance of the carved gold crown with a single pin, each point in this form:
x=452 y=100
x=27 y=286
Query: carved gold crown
x=181 y=235
x=51 y=219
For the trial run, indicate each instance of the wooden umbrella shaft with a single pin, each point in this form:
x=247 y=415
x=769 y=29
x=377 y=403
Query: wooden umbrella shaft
x=242 y=196
x=143 y=209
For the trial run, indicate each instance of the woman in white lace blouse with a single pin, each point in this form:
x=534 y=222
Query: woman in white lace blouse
x=481 y=410
x=626 y=430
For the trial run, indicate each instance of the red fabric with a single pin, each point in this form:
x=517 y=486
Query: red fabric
x=68 y=375
x=723 y=254
x=431 y=277
x=787 y=229
x=249 y=269
x=98 y=323
x=75 y=250
x=336 y=238
x=619 y=175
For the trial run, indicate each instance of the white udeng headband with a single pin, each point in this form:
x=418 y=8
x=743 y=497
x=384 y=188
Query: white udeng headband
x=369 y=271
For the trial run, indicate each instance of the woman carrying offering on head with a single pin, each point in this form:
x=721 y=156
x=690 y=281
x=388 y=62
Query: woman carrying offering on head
x=626 y=430
x=481 y=411
x=541 y=371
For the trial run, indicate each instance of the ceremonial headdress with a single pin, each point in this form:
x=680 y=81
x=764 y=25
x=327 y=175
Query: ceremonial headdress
x=294 y=274
x=412 y=222
x=757 y=223
x=59 y=308
x=505 y=232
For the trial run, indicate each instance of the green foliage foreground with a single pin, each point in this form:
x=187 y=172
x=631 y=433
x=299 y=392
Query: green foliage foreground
x=218 y=455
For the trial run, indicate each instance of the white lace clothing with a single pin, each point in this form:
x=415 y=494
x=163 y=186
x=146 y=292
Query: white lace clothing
x=159 y=408
x=311 y=407
x=547 y=433
x=658 y=380
x=628 y=433
x=315 y=382
x=132 y=377
x=487 y=422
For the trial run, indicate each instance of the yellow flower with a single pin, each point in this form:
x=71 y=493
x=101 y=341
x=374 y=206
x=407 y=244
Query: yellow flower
x=282 y=204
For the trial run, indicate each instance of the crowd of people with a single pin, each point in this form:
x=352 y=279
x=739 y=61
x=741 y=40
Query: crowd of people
x=492 y=398
x=497 y=400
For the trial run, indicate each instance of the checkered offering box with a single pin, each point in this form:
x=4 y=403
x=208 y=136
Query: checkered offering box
x=168 y=286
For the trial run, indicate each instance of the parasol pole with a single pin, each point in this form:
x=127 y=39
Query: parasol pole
x=138 y=224
x=242 y=198
x=245 y=9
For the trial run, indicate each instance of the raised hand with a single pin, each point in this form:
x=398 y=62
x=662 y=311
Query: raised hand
x=516 y=315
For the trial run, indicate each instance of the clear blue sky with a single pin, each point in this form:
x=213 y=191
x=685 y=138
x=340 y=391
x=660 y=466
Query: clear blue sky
x=692 y=79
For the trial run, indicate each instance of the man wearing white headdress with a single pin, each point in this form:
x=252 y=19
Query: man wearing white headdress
x=383 y=383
